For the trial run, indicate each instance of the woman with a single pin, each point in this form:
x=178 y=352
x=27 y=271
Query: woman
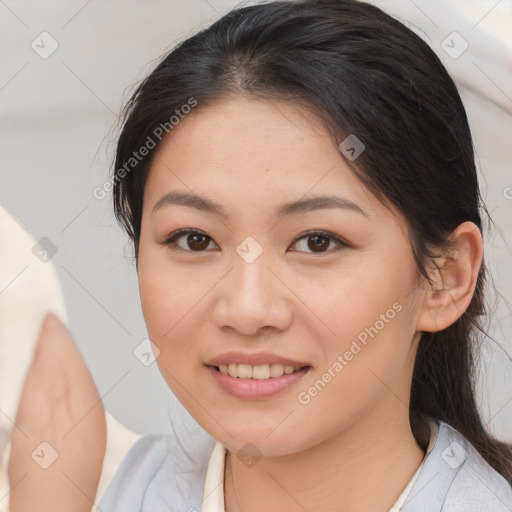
x=299 y=185
x=309 y=251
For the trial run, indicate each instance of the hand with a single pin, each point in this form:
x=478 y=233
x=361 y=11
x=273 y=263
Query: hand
x=61 y=408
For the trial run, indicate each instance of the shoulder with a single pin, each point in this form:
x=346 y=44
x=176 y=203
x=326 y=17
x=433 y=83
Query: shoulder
x=159 y=473
x=135 y=473
x=476 y=485
x=456 y=478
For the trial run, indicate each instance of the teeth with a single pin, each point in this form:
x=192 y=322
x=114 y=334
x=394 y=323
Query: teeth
x=264 y=371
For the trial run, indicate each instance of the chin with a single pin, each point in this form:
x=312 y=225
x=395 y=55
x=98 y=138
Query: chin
x=257 y=443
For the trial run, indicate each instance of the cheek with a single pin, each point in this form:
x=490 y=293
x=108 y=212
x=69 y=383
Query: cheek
x=173 y=301
x=369 y=320
x=167 y=300
x=167 y=315
x=163 y=299
x=365 y=364
x=356 y=295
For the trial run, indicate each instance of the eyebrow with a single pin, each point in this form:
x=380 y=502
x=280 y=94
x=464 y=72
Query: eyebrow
x=294 y=207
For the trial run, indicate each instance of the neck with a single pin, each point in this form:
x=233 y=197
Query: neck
x=364 y=467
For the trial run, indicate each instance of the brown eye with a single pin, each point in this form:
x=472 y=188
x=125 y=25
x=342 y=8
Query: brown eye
x=197 y=242
x=194 y=241
x=319 y=242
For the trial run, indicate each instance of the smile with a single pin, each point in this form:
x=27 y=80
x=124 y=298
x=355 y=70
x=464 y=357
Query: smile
x=263 y=371
x=256 y=382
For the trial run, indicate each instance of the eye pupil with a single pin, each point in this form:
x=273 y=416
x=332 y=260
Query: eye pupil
x=319 y=242
x=197 y=246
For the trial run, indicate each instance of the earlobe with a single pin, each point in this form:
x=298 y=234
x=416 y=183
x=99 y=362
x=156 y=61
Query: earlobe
x=453 y=279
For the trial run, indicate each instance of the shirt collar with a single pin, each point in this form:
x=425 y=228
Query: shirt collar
x=213 y=494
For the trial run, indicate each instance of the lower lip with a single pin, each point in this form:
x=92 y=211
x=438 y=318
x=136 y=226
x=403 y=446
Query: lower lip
x=256 y=388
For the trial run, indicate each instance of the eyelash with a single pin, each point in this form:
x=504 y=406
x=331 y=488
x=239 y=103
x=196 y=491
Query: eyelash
x=170 y=242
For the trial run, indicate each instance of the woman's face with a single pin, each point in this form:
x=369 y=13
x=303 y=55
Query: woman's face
x=343 y=301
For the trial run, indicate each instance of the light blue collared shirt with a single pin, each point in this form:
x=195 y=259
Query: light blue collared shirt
x=160 y=475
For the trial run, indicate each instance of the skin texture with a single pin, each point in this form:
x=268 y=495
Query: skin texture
x=60 y=405
x=351 y=447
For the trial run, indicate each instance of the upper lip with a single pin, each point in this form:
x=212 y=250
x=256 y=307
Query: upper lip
x=254 y=359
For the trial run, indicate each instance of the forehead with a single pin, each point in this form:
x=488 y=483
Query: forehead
x=252 y=155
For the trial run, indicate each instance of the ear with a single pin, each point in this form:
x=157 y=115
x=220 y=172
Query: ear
x=453 y=279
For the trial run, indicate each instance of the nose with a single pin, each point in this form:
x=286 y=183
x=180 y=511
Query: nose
x=252 y=298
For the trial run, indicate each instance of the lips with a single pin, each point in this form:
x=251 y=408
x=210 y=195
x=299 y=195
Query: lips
x=256 y=389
